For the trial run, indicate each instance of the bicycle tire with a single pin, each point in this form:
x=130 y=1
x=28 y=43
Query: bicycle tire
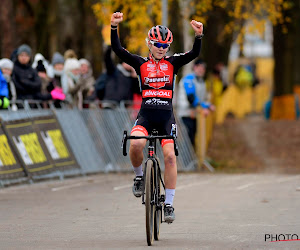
x=150 y=207
x=158 y=214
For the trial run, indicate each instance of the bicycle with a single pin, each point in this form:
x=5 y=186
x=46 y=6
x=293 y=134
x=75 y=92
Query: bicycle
x=153 y=196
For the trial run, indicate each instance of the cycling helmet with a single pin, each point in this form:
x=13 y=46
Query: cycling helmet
x=160 y=34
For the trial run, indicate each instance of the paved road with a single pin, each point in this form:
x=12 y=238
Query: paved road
x=213 y=211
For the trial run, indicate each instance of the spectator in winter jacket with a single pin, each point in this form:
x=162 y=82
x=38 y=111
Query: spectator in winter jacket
x=6 y=66
x=28 y=83
x=55 y=86
x=192 y=93
x=87 y=80
x=121 y=81
x=4 y=102
x=70 y=82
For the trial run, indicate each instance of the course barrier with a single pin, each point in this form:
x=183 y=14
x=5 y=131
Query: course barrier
x=10 y=167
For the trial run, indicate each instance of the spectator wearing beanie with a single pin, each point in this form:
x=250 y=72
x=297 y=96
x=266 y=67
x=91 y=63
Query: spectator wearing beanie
x=25 y=78
x=70 y=82
x=58 y=63
x=6 y=66
x=55 y=72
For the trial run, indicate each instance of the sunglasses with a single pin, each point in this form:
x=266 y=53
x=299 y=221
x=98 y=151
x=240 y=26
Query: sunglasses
x=159 y=45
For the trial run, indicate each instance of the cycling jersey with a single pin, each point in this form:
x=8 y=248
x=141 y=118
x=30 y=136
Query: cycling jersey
x=156 y=78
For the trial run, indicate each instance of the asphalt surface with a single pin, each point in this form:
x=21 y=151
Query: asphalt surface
x=213 y=211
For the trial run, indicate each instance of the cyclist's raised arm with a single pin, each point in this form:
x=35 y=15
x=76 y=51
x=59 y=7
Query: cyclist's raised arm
x=122 y=53
x=178 y=60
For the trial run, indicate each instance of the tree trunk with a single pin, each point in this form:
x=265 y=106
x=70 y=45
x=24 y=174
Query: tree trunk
x=296 y=21
x=215 y=48
x=286 y=60
x=7 y=28
x=283 y=46
x=186 y=27
x=285 y=52
x=92 y=42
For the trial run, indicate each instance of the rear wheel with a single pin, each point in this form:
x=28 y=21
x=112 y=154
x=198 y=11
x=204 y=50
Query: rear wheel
x=149 y=201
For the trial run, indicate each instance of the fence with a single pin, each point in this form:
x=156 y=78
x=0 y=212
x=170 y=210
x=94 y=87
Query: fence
x=55 y=143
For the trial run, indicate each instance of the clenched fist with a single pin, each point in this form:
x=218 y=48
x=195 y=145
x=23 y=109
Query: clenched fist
x=197 y=27
x=116 y=18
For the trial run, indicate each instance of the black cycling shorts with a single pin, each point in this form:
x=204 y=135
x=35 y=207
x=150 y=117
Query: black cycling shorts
x=151 y=119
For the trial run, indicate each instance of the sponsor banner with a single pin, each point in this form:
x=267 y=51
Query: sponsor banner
x=29 y=146
x=10 y=166
x=157 y=93
x=56 y=143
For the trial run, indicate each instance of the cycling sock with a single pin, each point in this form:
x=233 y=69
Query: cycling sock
x=138 y=170
x=170 y=193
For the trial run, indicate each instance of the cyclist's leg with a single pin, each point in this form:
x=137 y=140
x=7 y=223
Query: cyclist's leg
x=170 y=171
x=170 y=181
x=170 y=165
x=169 y=155
x=136 y=157
x=137 y=146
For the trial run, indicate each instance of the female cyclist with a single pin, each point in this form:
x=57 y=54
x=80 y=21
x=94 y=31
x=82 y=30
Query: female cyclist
x=157 y=74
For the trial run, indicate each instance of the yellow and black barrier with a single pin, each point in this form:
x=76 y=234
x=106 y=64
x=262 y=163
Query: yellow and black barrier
x=40 y=145
x=56 y=143
x=10 y=166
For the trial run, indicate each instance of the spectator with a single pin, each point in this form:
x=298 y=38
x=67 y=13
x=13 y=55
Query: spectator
x=70 y=82
x=6 y=66
x=4 y=102
x=87 y=80
x=192 y=93
x=215 y=85
x=55 y=86
x=42 y=73
x=27 y=82
x=70 y=54
x=243 y=77
x=222 y=71
x=120 y=81
x=39 y=57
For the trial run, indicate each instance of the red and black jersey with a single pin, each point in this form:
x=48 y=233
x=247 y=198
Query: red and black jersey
x=157 y=78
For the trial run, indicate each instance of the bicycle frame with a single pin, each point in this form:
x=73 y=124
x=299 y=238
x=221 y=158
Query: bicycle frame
x=157 y=173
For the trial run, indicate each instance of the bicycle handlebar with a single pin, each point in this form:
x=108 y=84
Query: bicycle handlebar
x=150 y=137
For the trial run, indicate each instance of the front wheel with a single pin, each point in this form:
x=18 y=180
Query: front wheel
x=158 y=213
x=149 y=201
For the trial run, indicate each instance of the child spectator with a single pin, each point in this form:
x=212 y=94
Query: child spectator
x=4 y=102
x=6 y=66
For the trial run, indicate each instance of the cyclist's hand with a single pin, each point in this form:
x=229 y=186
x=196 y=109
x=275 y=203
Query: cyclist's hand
x=197 y=27
x=116 y=18
x=212 y=108
x=205 y=112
